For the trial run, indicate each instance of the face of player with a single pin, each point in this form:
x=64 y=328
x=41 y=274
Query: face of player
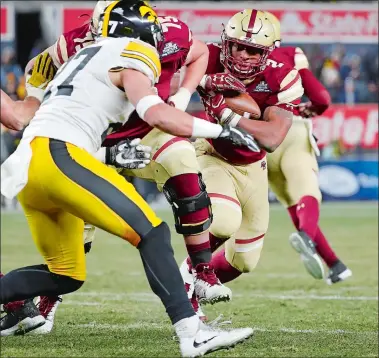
x=245 y=56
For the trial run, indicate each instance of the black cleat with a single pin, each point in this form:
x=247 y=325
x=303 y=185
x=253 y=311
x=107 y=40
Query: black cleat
x=338 y=272
x=21 y=320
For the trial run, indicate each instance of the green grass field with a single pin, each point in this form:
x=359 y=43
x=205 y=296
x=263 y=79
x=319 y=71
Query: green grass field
x=116 y=315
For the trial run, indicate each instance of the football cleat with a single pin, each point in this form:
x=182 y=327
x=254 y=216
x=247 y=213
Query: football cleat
x=302 y=243
x=204 y=339
x=338 y=272
x=47 y=306
x=21 y=319
x=208 y=287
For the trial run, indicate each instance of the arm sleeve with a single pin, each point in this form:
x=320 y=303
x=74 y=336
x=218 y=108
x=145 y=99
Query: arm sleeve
x=315 y=91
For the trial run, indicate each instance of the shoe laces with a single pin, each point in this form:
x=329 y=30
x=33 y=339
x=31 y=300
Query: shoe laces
x=206 y=273
x=47 y=303
x=217 y=323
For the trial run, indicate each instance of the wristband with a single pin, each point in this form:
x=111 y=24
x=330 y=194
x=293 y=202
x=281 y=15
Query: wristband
x=145 y=103
x=204 y=129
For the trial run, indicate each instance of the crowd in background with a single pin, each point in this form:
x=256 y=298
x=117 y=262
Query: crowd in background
x=349 y=72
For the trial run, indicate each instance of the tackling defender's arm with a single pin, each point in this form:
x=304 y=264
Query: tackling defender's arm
x=166 y=118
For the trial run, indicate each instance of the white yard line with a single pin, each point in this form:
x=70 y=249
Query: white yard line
x=300 y=295
x=106 y=326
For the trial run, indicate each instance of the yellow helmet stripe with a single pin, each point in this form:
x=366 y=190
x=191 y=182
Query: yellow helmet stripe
x=107 y=13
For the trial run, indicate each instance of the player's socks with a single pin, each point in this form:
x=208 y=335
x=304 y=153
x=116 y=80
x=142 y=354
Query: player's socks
x=305 y=216
x=163 y=273
x=223 y=269
x=200 y=253
x=31 y=281
x=308 y=213
x=323 y=248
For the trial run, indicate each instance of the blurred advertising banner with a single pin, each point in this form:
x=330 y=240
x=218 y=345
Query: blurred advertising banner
x=7 y=20
x=351 y=125
x=301 y=23
x=349 y=180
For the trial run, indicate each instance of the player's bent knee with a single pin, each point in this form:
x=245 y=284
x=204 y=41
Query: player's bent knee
x=244 y=255
x=245 y=261
x=67 y=284
x=227 y=217
x=190 y=203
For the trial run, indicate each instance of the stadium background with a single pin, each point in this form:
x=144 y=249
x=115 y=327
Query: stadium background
x=340 y=40
x=116 y=315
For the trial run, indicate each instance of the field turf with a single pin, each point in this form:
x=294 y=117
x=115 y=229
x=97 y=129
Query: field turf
x=115 y=314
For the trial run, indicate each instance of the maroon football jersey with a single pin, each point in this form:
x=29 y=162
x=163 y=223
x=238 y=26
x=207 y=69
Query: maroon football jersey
x=275 y=86
x=178 y=41
x=69 y=43
x=313 y=88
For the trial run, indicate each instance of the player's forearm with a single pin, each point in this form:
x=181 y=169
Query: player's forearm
x=176 y=122
x=270 y=132
x=315 y=91
x=8 y=115
x=196 y=69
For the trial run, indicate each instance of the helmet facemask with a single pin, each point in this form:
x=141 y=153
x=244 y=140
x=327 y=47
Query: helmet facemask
x=250 y=31
x=239 y=68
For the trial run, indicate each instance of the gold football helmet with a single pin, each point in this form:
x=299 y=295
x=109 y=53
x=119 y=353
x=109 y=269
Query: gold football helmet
x=249 y=29
x=276 y=24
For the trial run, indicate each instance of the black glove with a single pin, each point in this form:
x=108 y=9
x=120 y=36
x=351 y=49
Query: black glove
x=128 y=154
x=239 y=136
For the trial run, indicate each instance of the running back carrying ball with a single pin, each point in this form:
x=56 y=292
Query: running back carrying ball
x=242 y=104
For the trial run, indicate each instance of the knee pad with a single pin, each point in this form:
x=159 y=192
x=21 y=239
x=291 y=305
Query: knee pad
x=243 y=261
x=190 y=203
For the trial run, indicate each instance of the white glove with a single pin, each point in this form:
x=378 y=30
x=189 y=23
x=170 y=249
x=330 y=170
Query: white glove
x=128 y=154
x=180 y=99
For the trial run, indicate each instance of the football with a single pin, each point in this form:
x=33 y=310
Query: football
x=243 y=104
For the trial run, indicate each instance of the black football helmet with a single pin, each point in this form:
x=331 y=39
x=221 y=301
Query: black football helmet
x=131 y=18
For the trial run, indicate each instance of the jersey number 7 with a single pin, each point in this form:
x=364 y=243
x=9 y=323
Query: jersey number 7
x=66 y=87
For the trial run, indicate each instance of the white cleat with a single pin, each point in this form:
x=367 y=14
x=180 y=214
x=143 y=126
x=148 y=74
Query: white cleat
x=205 y=339
x=301 y=243
x=208 y=287
x=186 y=272
x=47 y=307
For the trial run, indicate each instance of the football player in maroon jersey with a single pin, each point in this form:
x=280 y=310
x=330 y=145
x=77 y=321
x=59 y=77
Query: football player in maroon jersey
x=293 y=168
x=237 y=180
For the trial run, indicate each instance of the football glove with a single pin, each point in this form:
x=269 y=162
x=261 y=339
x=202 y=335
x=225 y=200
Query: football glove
x=128 y=154
x=221 y=82
x=43 y=71
x=239 y=136
x=216 y=108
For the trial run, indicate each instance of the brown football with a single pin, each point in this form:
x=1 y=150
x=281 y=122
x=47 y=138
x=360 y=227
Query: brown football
x=243 y=104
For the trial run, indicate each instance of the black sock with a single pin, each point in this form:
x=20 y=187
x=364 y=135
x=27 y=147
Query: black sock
x=200 y=257
x=31 y=281
x=163 y=273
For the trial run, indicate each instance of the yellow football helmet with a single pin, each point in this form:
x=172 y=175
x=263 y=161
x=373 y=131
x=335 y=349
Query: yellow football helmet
x=276 y=24
x=251 y=29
